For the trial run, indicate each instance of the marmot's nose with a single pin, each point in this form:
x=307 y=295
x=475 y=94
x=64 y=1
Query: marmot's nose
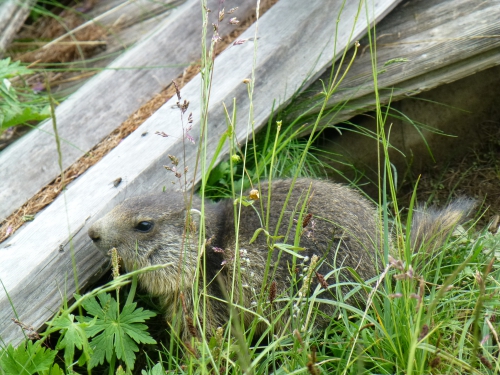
x=94 y=234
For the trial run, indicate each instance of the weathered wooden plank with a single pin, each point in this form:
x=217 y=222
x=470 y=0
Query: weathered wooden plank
x=116 y=24
x=416 y=85
x=35 y=266
x=442 y=41
x=120 y=14
x=13 y=13
x=95 y=109
x=125 y=23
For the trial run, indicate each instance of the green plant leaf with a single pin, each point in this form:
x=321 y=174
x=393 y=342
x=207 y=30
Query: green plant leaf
x=258 y=231
x=101 y=308
x=103 y=348
x=244 y=201
x=396 y=60
x=256 y=234
x=290 y=249
x=125 y=347
x=28 y=358
x=23 y=115
x=9 y=70
x=73 y=336
x=156 y=370
x=18 y=103
x=219 y=173
x=54 y=370
x=116 y=332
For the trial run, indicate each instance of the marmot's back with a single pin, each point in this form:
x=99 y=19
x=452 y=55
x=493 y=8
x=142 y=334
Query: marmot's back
x=329 y=220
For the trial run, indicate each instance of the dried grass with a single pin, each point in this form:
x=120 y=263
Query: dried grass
x=78 y=46
x=45 y=196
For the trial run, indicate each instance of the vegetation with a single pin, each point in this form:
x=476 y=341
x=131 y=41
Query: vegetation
x=437 y=316
x=19 y=104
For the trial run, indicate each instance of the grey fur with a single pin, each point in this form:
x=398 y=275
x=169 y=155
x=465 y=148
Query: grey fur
x=431 y=226
x=344 y=231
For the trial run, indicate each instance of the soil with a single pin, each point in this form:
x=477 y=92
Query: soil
x=475 y=175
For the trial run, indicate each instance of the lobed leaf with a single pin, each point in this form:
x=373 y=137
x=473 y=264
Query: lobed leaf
x=115 y=331
x=27 y=359
x=73 y=335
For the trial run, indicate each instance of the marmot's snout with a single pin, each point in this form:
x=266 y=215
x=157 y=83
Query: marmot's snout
x=94 y=234
x=99 y=234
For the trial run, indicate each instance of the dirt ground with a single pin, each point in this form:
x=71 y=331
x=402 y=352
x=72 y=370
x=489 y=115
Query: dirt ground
x=475 y=175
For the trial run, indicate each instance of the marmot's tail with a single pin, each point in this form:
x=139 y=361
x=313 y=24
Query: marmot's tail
x=431 y=226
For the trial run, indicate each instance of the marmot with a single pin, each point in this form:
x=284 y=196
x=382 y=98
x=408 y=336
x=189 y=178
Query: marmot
x=315 y=218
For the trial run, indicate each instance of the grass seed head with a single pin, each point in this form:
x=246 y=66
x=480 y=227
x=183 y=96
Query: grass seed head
x=306 y=220
x=436 y=361
x=272 y=292
x=321 y=280
x=311 y=365
x=191 y=328
x=177 y=91
x=298 y=336
x=115 y=262
x=485 y=362
x=424 y=332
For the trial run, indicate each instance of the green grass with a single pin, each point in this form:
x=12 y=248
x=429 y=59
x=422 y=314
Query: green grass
x=414 y=326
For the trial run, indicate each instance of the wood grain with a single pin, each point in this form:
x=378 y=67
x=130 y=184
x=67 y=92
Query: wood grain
x=13 y=13
x=104 y=102
x=35 y=266
x=437 y=42
x=125 y=22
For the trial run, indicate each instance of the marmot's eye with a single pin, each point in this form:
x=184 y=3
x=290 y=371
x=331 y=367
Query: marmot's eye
x=144 y=226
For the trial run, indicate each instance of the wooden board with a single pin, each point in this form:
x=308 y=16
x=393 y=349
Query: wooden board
x=128 y=20
x=104 y=102
x=125 y=22
x=13 y=13
x=442 y=41
x=35 y=266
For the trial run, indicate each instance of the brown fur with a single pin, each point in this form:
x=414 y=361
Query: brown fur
x=329 y=220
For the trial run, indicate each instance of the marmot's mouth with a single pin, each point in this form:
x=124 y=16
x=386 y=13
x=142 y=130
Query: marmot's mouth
x=132 y=265
x=149 y=255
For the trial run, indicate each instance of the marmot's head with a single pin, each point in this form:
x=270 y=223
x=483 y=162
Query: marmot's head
x=150 y=230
